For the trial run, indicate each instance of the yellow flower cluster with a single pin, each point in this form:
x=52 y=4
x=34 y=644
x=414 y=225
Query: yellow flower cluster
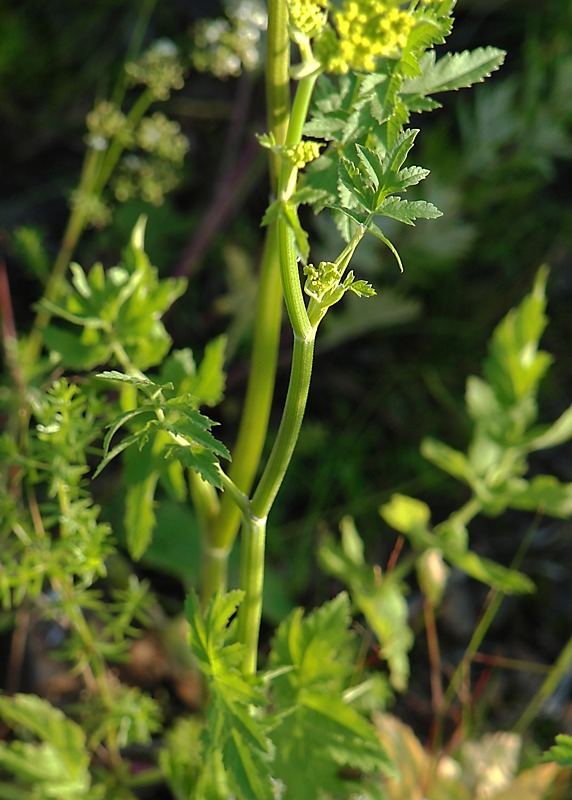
x=307 y=16
x=366 y=30
x=301 y=154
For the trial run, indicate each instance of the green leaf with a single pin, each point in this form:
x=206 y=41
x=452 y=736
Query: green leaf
x=210 y=380
x=289 y=212
x=231 y=729
x=315 y=731
x=561 y=752
x=319 y=737
x=373 y=228
x=406 y=514
x=75 y=350
x=379 y=598
x=543 y=494
x=385 y=608
x=515 y=366
x=139 y=515
x=111 y=454
x=360 y=193
x=59 y=766
x=407 y=211
x=551 y=435
x=492 y=574
x=453 y=71
x=446 y=458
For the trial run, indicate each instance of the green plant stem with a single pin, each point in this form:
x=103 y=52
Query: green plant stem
x=254 y=525
x=256 y=410
x=289 y=429
x=252 y=583
x=253 y=425
x=493 y=603
x=74 y=229
x=277 y=80
x=562 y=666
x=117 y=146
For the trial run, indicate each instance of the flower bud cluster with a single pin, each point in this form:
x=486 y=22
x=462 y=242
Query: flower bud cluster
x=302 y=153
x=307 y=17
x=227 y=46
x=362 y=32
x=91 y=207
x=162 y=137
x=148 y=178
x=106 y=122
x=159 y=69
x=321 y=280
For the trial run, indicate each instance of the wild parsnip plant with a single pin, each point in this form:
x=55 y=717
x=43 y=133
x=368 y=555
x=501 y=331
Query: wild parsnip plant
x=338 y=140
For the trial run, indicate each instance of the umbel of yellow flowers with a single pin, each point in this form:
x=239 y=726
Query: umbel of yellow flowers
x=354 y=35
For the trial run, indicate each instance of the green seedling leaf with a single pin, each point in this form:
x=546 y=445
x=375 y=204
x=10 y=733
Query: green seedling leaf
x=406 y=514
x=551 y=435
x=453 y=71
x=543 y=494
x=492 y=574
x=446 y=458
x=515 y=366
x=384 y=606
x=561 y=752
x=379 y=598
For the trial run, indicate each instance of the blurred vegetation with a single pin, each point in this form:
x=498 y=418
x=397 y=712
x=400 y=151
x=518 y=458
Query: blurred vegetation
x=500 y=171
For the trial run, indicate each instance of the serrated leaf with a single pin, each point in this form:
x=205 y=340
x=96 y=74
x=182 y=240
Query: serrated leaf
x=362 y=288
x=319 y=736
x=209 y=385
x=407 y=211
x=111 y=454
x=359 y=192
x=133 y=380
x=400 y=150
x=231 y=730
x=372 y=164
x=410 y=176
x=121 y=420
x=453 y=71
x=202 y=461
